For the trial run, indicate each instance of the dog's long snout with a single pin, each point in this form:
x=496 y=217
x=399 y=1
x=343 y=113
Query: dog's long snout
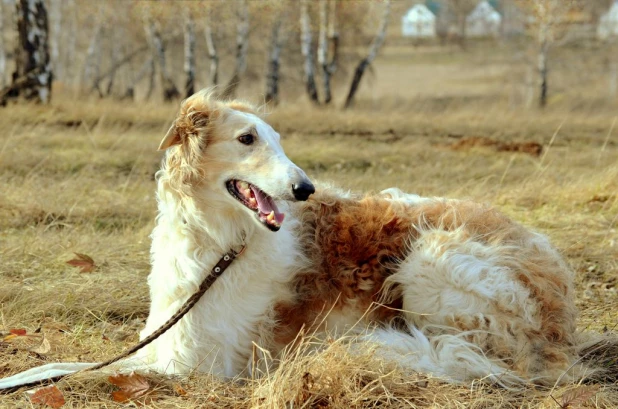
x=302 y=190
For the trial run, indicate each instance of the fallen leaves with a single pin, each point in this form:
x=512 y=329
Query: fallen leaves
x=133 y=387
x=48 y=396
x=43 y=348
x=14 y=333
x=84 y=262
x=20 y=338
x=575 y=397
x=179 y=390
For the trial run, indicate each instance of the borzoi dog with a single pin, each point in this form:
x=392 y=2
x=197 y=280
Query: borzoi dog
x=447 y=287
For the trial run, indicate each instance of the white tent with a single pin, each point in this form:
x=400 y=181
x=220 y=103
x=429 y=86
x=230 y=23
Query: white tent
x=608 y=23
x=419 y=21
x=483 y=21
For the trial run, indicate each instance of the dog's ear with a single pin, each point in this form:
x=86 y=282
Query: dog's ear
x=189 y=123
x=171 y=138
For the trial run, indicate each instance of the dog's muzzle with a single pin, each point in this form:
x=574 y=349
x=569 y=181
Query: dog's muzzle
x=302 y=190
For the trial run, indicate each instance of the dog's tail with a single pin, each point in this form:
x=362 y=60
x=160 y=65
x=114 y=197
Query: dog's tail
x=54 y=372
x=43 y=373
x=454 y=359
x=600 y=354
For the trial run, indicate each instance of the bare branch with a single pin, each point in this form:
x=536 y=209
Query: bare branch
x=373 y=52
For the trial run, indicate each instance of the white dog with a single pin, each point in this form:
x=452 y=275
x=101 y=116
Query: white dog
x=451 y=288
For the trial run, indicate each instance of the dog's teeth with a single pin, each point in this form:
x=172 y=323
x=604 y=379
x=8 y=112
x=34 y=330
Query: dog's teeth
x=253 y=201
x=243 y=185
x=247 y=192
x=271 y=216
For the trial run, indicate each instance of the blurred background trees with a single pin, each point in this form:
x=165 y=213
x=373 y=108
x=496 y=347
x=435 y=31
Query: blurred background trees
x=281 y=49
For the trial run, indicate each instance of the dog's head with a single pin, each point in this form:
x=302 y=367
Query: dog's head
x=226 y=151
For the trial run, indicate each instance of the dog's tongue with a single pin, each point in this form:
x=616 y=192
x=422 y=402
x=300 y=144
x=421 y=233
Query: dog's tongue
x=266 y=204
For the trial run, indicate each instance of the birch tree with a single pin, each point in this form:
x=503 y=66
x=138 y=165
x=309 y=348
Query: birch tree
x=596 y=9
x=2 y=49
x=549 y=23
x=147 y=68
x=328 y=43
x=70 y=42
x=323 y=50
x=92 y=61
x=212 y=50
x=55 y=32
x=306 y=44
x=152 y=71
x=153 y=34
x=373 y=52
x=274 y=60
x=242 y=45
x=116 y=39
x=189 y=66
x=32 y=78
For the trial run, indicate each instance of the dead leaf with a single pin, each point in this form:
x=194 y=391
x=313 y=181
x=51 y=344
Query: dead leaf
x=43 y=348
x=19 y=331
x=15 y=333
x=48 y=396
x=132 y=387
x=571 y=399
x=180 y=391
x=84 y=262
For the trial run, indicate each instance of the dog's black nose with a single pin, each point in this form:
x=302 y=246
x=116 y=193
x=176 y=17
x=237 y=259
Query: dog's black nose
x=302 y=190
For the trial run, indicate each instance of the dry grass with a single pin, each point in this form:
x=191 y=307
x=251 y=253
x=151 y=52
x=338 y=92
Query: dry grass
x=79 y=178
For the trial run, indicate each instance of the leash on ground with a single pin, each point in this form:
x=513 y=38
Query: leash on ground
x=209 y=280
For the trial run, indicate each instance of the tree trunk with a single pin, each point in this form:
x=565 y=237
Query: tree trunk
x=542 y=65
x=274 y=58
x=146 y=68
x=373 y=52
x=242 y=34
x=151 y=78
x=32 y=77
x=212 y=51
x=115 y=52
x=323 y=50
x=307 y=51
x=70 y=71
x=462 y=30
x=613 y=79
x=93 y=57
x=2 y=50
x=333 y=41
x=189 y=56
x=170 y=92
x=56 y=20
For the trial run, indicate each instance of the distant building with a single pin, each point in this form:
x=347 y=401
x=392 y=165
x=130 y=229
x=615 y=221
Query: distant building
x=483 y=21
x=608 y=23
x=418 y=22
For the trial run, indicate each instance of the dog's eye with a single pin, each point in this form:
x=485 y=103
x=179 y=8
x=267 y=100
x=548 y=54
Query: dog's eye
x=246 y=139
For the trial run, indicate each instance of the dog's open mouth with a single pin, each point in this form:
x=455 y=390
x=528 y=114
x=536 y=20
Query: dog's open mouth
x=255 y=199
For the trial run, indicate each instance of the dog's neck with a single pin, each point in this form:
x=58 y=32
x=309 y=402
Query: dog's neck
x=209 y=222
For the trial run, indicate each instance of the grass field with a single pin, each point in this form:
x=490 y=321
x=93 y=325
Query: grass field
x=78 y=178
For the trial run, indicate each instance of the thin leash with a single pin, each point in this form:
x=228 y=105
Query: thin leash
x=224 y=262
